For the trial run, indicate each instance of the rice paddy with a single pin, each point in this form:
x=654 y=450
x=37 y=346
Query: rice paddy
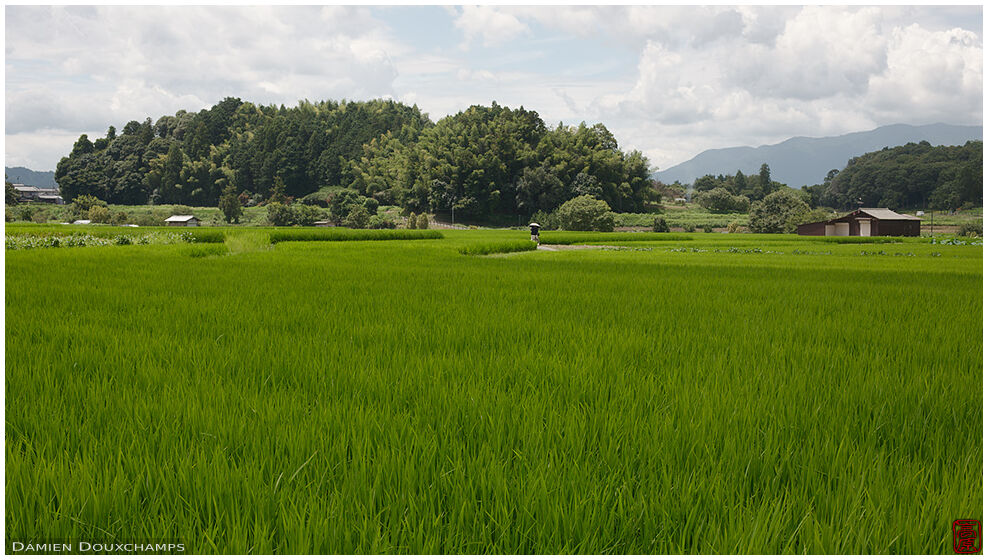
x=701 y=393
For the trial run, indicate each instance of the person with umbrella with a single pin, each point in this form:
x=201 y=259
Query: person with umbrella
x=535 y=232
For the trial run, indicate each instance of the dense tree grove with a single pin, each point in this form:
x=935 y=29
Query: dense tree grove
x=751 y=187
x=489 y=161
x=190 y=158
x=779 y=212
x=485 y=161
x=910 y=176
x=585 y=213
x=720 y=201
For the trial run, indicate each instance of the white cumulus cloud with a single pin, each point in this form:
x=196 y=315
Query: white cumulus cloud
x=668 y=80
x=823 y=71
x=492 y=25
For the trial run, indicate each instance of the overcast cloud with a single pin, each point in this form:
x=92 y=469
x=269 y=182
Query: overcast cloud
x=670 y=81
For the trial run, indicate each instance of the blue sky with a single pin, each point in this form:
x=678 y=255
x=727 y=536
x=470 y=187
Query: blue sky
x=669 y=81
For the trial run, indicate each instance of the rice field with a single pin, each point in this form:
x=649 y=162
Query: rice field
x=701 y=393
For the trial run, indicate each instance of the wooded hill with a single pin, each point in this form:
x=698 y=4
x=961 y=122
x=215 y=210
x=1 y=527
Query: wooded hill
x=912 y=176
x=803 y=161
x=483 y=161
x=23 y=175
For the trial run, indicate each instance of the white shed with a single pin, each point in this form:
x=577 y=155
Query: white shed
x=185 y=221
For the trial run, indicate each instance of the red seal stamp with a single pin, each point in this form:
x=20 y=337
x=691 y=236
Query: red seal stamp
x=967 y=536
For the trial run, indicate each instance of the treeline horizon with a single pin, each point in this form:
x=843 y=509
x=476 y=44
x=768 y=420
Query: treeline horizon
x=914 y=175
x=481 y=161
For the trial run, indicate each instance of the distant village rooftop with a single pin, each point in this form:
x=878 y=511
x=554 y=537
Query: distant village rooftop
x=41 y=194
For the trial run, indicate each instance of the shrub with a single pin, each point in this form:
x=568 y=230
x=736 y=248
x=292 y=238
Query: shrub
x=385 y=198
x=306 y=215
x=689 y=228
x=120 y=217
x=11 y=197
x=40 y=216
x=280 y=214
x=288 y=215
x=278 y=191
x=779 y=212
x=721 y=201
x=315 y=199
x=342 y=202
x=585 y=213
x=659 y=225
x=380 y=222
x=230 y=205
x=99 y=215
x=358 y=218
x=707 y=228
x=734 y=227
x=147 y=220
x=412 y=221
x=423 y=221
x=545 y=219
x=81 y=204
x=815 y=215
x=969 y=229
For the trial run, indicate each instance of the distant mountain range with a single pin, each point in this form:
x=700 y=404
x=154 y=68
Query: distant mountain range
x=805 y=161
x=26 y=176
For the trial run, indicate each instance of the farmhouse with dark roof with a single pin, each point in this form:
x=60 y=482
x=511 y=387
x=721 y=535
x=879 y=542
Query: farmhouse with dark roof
x=865 y=222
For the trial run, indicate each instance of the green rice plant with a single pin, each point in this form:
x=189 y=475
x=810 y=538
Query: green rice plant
x=100 y=230
x=206 y=250
x=398 y=398
x=207 y=236
x=344 y=234
x=38 y=240
x=499 y=247
x=858 y=240
x=247 y=240
x=952 y=240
